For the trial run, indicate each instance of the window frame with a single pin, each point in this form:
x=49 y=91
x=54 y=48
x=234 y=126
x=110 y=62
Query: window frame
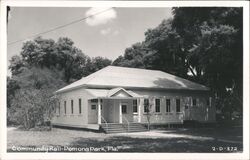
x=135 y=105
x=79 y=105
x=178 y=106
x=157 y=106
x=94 y=100
x=194 y=100
x=168 y=107
x=72 y=106
x=93 y=104
x=65 y=107
x=59 y=105
x=126 y=111
x=209 y=100
x=145 y=106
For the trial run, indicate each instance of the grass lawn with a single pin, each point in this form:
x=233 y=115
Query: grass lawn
x=171 y=140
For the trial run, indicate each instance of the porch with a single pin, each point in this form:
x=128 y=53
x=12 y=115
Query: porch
x=117 y=110
x=124 y=110
x=114 y=110
x=113 y=106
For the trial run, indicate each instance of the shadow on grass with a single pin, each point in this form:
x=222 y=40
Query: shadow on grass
x=182 y=144
x=225 y=133
x=129 y=144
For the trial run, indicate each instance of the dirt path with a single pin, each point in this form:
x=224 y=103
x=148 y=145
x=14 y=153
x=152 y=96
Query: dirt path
x=11 y=128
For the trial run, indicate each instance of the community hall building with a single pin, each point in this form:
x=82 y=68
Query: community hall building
x=121 y=99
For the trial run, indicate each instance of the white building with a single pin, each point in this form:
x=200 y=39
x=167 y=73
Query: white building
x=120 y=95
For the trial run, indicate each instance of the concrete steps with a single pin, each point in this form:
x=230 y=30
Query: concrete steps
x=122 y=128
x=113 y=128
x=137 y=127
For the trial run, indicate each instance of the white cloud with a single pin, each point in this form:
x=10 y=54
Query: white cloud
x=101 y=18
x=105 y=31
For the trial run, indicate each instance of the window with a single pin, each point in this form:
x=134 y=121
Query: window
x=93 y=107
x=209 y=101
x=168 y=110
x=72 y=106
x=194 y=101
x=65 y=110
x=80 y=105
x=135 y=107
x=178 y=105
x=94 y=100
x=59 y=106
x=157 y=105
x=146 y=105
x=124 y=108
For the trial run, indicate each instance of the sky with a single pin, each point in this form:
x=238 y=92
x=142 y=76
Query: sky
x=107 y=34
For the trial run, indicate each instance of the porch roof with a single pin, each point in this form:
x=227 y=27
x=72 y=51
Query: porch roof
x=111 y=94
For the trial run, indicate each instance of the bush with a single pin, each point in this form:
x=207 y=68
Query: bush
x=33 y=108
x=33 y=103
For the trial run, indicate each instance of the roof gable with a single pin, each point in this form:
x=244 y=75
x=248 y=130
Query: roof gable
x=113 y=93
x=113 y=77
x=119 y=92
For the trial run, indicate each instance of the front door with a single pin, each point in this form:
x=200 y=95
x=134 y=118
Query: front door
x=187 y=112
x=187 y=103
x=93 y=113
x=109 y=111
x=124 y=112
x=124 y=108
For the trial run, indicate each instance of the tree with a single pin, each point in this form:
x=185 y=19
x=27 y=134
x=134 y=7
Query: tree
x=166 y=46
x=213 y=41
x=33 y=103
x=62 y=55
x=95 y=64
x=161 y=50
x=32 y=107
x=70 y=59
x=200 y=44
x=133 y=56
x=191 y=22
x=39 y=52
x=12 y=88
x=16 y=62
x=43 y=67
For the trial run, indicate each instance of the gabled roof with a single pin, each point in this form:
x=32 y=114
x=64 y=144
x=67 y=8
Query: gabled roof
x=112 y=93
x=113 y=77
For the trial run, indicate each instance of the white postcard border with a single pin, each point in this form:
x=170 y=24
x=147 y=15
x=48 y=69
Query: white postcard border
x=3 y=72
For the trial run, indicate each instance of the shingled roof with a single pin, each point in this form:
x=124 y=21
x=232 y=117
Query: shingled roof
x=113 y=76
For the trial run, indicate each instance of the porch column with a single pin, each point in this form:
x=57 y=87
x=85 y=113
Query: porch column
x=139 y=110
x=120 y=112
x=99 y=112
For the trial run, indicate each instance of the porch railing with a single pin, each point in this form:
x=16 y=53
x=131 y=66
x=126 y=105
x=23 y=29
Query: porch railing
x=126 y=121
x=106 y=123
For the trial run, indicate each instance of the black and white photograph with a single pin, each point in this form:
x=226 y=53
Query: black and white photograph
x=114 y=78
